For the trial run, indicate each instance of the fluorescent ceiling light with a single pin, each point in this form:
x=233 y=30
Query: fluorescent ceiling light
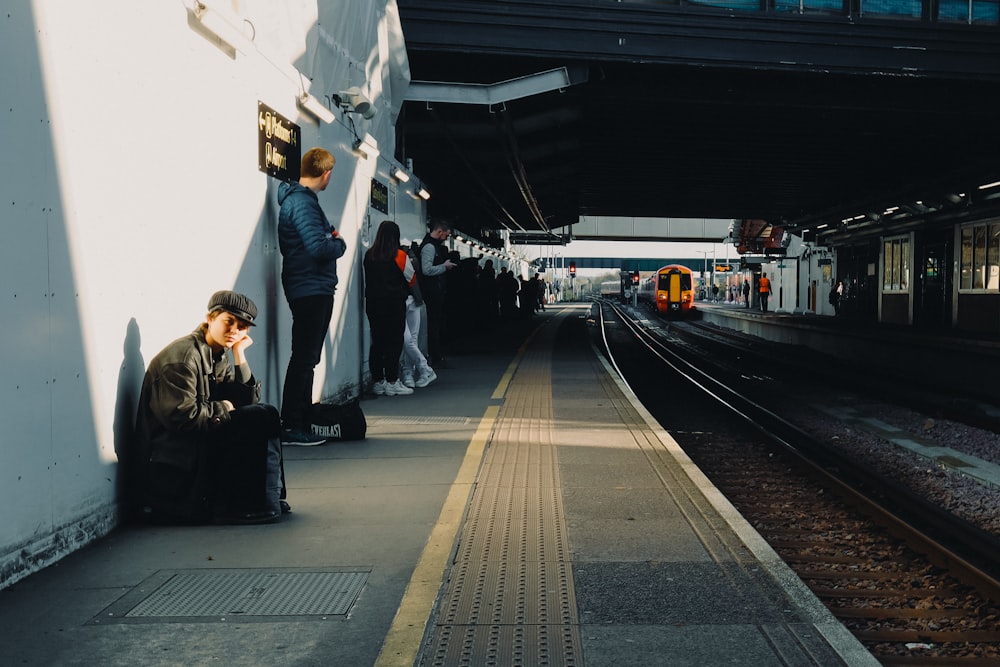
x=366 y=146
x=316 y=108
x=222 y=25
x=359 y=149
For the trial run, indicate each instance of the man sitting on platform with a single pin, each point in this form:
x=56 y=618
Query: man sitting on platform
x=208 y=449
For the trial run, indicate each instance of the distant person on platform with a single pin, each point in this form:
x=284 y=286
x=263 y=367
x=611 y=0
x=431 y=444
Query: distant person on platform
x=209 y=450
x=746 y=292
x=527 y=297
x=310 y=248
x=836 y=295
x=434 y=264
x=416 y=372
x=388 y=274
x=487 y=296
x=764 y=290
x=540 y=293
x=507 y=289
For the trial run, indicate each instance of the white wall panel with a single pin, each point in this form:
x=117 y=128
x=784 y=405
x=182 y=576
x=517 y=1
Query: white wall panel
x=25 y=343
x=134 y=195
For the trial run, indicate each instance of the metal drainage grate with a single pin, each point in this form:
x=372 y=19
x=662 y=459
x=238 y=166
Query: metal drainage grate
x=240 y=593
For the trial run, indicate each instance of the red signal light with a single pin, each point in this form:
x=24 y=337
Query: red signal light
x=572 y=268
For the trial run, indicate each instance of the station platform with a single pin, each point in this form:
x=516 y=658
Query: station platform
x=522 y=510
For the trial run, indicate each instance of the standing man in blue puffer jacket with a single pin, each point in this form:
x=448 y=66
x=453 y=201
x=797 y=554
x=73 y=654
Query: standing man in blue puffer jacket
x=310 y=247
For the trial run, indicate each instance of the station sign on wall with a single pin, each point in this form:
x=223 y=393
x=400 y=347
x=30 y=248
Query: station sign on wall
x=380 y=196
x=279 y=144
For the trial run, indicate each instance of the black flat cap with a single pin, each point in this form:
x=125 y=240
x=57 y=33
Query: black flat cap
x=238 y=304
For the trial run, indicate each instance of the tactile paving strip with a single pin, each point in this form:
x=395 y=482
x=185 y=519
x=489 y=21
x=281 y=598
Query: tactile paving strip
x=188 y=594
x=509 y=601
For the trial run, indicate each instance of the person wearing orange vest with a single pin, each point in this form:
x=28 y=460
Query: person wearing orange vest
x=764 y=287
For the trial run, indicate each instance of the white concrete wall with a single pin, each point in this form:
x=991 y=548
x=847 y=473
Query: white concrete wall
x=817 y=272
x=130 y=192
x=803 y=285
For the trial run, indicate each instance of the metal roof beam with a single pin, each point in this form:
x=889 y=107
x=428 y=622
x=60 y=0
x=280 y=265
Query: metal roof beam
x=496 y=93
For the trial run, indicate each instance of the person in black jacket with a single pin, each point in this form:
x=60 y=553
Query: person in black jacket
x=210 y=450
x=507 y=289
x=434 y=264
x=388 y=274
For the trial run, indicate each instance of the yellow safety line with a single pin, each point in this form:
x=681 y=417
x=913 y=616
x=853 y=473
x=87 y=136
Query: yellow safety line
x=505 y=379
x=399 y=649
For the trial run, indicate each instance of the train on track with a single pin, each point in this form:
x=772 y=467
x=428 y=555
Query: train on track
x=670 y=290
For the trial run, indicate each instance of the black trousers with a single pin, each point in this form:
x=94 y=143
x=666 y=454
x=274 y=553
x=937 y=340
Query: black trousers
x=311 y=317
x=387 y=321
x=236 y=469
x=250 y=472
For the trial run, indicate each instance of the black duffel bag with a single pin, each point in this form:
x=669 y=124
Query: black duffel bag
x=339 y=422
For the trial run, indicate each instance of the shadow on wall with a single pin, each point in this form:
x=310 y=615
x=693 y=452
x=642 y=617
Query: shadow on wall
x=274 y=303
x=55 y=474
x=130 y=374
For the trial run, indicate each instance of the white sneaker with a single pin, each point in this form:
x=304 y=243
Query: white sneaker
x=426 y=378
x=407 y=380
x=380 y=387
x=397 y=388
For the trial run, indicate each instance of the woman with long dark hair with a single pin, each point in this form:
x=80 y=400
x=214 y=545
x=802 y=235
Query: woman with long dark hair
x=388 y=274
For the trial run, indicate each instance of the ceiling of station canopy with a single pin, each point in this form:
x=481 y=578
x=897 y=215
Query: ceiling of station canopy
x=671 y=137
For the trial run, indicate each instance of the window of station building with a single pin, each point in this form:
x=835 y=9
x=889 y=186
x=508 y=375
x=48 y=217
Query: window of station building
x=897 y=9
x=963 y=11
x=979 y=12
x=980 y=263
x=745 y=5
x=811 y=6
x=896 y=271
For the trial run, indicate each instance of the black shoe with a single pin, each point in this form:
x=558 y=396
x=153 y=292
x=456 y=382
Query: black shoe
x=302 y=438
x=285 y=507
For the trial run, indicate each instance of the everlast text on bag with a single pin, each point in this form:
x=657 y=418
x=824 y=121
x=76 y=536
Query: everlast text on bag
x=339 y=422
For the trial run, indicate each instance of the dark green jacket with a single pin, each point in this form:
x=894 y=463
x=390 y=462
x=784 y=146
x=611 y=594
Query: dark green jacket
x=180 y=409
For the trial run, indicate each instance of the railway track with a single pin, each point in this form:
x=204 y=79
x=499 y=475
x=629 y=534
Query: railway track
x=914 y=591
x=926 y=397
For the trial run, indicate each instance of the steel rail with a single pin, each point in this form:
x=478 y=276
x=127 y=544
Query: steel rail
x=966 y=550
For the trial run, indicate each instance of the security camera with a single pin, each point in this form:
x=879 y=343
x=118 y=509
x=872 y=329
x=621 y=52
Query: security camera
x=353 y=101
